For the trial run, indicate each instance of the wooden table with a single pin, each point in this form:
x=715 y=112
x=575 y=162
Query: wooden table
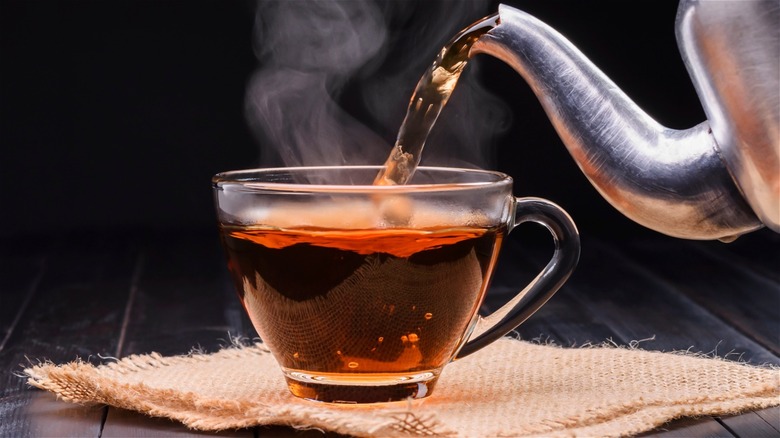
x=102 y=294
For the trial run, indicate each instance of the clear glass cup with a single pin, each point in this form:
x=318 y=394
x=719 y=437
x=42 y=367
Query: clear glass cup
x=363 y=293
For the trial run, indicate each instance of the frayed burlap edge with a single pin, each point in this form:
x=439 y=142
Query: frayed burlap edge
x=642 y=416
x=80 y=382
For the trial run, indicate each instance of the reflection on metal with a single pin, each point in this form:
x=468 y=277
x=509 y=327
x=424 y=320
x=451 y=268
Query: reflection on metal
x=717 y=180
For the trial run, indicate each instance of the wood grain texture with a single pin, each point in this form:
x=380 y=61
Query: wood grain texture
x=74 y=312
x=691 y=427
x=750 y=424
x=178 y=302
x=99 y=296
x=745 y=295
x=121 y=423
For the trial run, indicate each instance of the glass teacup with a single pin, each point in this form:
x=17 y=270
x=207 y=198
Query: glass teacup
x=363 y=293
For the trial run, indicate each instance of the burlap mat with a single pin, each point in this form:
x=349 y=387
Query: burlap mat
x=511 y=388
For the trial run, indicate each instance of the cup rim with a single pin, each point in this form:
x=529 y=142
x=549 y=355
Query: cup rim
x=231 y=179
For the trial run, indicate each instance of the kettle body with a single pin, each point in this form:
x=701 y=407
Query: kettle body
x=716 y=180
x=732 y=51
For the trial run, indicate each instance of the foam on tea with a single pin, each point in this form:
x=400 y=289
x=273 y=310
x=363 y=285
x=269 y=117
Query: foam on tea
x=386 y=212
x=338 y=293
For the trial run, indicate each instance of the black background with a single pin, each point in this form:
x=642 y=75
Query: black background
x=115 y=115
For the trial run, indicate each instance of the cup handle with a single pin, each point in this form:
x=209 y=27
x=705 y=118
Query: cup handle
x=544 y=286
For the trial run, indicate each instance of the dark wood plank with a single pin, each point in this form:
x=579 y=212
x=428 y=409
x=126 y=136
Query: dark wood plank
x=20 y=275
x=771 y=416
x=123 y=423
x=758 y=251
x=559 y=321
x=744 y=295
x=21 y=271
x=42 y=415
x=749 y=425
x=614 y=295
x=74 y=312
x=512 y=274
x=639 y=303
x=287 y=432
x=690 y=428
x=181 y=300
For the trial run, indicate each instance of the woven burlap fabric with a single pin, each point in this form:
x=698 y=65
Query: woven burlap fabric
x=510 y=388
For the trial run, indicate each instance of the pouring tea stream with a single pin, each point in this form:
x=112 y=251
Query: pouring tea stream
x=716 y=180
x=431 y=94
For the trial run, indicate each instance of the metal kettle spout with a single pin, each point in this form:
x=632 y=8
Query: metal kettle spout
x=671 y=181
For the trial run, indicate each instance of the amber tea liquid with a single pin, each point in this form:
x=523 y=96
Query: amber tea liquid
x=380 y=310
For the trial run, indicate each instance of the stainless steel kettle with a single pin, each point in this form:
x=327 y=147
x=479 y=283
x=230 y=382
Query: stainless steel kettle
x=716 y=180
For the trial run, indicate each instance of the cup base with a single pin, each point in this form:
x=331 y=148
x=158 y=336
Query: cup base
x=360 y=388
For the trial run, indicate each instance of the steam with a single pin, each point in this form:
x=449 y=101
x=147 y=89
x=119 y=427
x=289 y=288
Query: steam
x=335 y=78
